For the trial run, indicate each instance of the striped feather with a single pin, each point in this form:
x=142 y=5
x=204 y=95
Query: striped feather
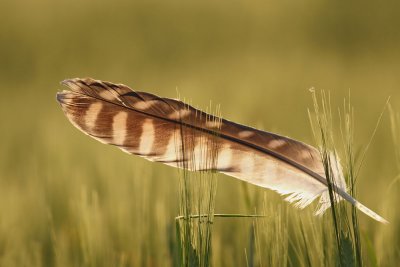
x=174 y=133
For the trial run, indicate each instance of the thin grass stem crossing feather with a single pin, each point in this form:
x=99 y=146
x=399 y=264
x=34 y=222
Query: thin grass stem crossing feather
x=159 y=129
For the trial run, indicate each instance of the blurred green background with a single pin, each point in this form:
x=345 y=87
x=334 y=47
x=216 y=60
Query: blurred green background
x=67 y=200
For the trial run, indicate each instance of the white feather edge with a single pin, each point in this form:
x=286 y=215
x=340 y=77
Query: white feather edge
x=340 y=193
x=302 y=198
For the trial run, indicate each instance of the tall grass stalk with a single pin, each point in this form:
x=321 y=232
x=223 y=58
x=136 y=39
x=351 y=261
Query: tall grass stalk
x=346 y=228
x=271 y=235
x=282 y=238
x=197 y=193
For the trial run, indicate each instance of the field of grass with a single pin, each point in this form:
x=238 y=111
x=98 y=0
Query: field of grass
x=67 y=200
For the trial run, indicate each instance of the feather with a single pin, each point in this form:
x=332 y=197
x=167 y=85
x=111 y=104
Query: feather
x=174 y=133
